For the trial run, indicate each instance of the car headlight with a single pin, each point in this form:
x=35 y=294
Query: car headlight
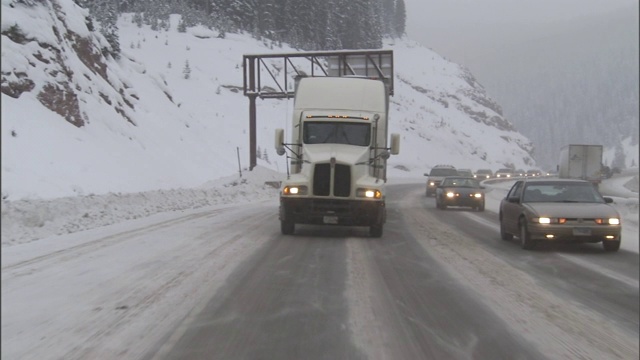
x=451 y=194
x=294 y=190
x=609 y=221
x=369 y=193
x=548 y=220
x=431 y=183
x=477 y=195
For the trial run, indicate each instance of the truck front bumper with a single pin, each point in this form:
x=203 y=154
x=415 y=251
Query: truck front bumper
x=332 y=211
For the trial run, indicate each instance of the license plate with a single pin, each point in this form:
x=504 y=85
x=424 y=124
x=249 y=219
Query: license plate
x=582 y=232
x=330 y=219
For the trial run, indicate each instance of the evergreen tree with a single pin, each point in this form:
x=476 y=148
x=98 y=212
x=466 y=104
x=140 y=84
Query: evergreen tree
x=106 y=14
x=186 y=71
x=137 y=19
x=182 y=26
x=400 y=19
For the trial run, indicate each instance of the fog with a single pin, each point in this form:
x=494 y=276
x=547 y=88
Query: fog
x=564 y=71
x=464 y=30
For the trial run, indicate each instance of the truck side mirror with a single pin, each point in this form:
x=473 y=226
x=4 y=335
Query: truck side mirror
x=279 y=141
x=395 y=144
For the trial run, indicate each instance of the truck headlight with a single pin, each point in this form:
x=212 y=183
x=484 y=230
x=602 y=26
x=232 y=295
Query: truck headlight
x=369 y=193
x=294 y=190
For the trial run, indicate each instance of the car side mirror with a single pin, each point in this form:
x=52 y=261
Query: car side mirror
x=513 y=199
x=482 y=187
x=425 y=174
x=608 y=200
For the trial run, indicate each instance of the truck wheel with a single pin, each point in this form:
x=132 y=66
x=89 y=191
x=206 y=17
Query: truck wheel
x=611 y=245
x=525 y=238
x=287 y=227
x=375 y=230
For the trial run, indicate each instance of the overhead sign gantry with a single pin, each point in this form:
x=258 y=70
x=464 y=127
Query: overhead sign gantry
x=273 y=76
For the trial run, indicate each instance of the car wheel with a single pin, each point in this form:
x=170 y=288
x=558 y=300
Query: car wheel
x=481 y=207
x=287 y=227
x=525 y=238
x=611 y=245
x=503 y=234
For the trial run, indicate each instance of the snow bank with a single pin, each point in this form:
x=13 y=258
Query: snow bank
x=27 y=220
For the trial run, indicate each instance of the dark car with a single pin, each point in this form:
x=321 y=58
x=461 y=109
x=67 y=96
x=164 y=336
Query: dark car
x=460 y=191
x=465 y=172
x=436 y=175
x=533 y=173
x=504 y=173
x=482 y=174
x=559 y=210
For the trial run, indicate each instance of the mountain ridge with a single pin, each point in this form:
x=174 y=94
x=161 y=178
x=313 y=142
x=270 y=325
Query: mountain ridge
x=160 y=116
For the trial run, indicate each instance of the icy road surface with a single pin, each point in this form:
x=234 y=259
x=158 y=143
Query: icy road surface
x=222 y=282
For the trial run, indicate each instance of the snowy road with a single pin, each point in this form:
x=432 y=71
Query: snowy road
x=223 y=283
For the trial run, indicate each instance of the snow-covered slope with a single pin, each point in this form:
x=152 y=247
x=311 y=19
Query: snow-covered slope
x=77 y=122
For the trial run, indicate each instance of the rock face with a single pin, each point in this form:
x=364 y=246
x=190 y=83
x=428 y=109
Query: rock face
x=72 y=60
x=128 y=117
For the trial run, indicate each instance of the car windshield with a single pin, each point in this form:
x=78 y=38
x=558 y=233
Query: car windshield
x=567 y=192
x=460 y=182
x=324 y=132
x=443 y=172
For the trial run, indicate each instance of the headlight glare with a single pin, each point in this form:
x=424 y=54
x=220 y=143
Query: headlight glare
x=294 y=190
x=369 y=193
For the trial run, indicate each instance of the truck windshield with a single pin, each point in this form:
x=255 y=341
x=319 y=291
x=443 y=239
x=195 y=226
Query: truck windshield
x=323 y=132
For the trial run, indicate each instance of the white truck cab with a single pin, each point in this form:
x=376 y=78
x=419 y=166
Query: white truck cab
x=338 y=154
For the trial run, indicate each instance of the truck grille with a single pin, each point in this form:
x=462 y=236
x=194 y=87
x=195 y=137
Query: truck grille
x=341 y=181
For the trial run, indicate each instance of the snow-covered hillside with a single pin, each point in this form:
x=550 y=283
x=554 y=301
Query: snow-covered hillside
x=170 y=112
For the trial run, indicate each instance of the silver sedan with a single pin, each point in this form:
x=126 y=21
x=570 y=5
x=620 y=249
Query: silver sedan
x=559 y=210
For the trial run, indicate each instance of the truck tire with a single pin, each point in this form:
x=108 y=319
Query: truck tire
x=376 y=230
x=287 y=227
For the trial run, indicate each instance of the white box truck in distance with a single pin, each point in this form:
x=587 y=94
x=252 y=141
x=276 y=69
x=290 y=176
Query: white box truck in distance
x=338 y=155
x=581 y=162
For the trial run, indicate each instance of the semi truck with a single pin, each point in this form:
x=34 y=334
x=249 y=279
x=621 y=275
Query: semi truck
x=578 y=161
x=338 y=151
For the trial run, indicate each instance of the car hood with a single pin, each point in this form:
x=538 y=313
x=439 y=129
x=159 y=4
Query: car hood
x=573 y=210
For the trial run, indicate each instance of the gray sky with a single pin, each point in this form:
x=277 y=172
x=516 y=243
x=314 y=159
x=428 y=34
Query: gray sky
x=462 y=29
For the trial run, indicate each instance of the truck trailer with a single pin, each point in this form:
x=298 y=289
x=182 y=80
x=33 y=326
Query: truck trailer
x=338 y=151
x=578 y=161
